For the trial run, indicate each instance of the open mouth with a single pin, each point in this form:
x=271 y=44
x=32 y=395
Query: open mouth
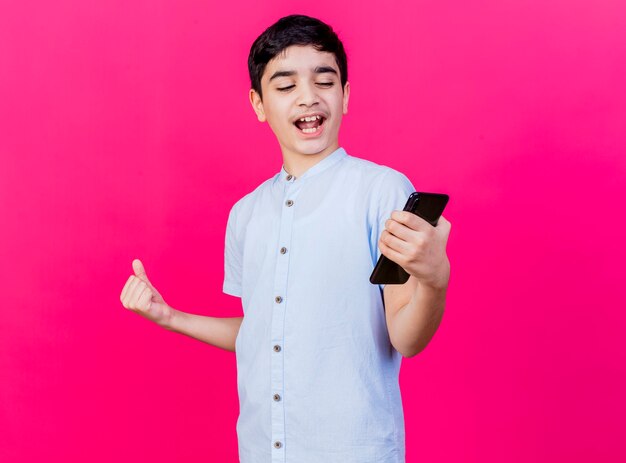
x=310 y=124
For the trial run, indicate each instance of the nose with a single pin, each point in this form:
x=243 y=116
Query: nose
x=308 y=95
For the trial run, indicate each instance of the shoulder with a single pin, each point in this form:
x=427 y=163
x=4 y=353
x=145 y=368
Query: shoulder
x=247 y=202
x=383 y=188
x=377 y=176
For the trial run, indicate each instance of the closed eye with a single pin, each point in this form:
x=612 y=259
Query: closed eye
x=325 y=84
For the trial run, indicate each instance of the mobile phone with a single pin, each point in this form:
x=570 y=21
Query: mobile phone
x=428 y=206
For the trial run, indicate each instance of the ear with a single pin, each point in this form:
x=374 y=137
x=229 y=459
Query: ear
x=257 y=105
x=346 y=97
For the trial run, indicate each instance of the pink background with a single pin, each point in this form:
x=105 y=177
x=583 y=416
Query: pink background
x=125 y=131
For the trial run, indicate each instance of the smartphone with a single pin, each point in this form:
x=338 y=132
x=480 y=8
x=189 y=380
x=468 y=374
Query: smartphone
x=428 y=206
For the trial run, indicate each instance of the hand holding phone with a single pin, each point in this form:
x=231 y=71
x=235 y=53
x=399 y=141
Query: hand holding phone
x=428 y=206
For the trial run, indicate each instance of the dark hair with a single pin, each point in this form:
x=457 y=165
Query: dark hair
x=290 y=30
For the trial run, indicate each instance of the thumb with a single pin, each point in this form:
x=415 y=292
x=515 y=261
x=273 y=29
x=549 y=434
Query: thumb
x=140 y=271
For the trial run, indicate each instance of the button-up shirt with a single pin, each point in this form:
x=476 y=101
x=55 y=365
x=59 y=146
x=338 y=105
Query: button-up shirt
x=317 y=375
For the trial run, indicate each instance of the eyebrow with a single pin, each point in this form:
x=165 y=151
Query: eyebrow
x=317 y=70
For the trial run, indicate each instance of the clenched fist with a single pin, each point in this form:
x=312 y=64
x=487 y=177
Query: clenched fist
x=141 y=297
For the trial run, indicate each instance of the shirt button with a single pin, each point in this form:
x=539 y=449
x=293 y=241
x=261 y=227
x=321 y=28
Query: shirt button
x=278 y=444
x=289 y=203
x=283 y=250
x=276 y=397
x=276 y=348
x=289 y=177
x=278 y=299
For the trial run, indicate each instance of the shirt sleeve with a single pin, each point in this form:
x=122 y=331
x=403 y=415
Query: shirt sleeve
x=388 y=195
x=233 y=257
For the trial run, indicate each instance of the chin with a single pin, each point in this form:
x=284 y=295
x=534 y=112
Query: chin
x=311 y=146
x=313 y=150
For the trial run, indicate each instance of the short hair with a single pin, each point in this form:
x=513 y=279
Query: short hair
x=290 y=30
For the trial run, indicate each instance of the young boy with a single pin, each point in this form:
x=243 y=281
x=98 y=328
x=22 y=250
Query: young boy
x=319 y=347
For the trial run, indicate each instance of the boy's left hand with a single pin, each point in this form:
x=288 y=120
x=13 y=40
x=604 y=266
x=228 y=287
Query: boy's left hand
x=418 y=247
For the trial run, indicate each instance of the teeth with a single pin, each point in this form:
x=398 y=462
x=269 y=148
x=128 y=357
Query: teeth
x=311 y=130
x=310 y=119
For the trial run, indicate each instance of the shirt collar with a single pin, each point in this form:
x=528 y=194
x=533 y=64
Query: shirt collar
x=328 y=161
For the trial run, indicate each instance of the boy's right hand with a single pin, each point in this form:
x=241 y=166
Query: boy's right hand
x=141 y=297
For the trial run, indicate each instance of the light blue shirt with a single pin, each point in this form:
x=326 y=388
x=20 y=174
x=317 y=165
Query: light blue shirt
x=317 y=376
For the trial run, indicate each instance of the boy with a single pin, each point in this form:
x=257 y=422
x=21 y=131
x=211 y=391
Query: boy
x=319 y=347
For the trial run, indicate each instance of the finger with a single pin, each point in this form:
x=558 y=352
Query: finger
x=399 y=230
x=125 y=288
x=394 y=242
x=395 y=256
x=446 y=223
x=143 y=302
x=139 y=291
x=134 y=292
x=140 y=271
x=411 y=220
x=443 y=229
x=129 y=293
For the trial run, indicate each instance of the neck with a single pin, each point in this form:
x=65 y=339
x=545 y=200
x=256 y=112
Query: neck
x=297 y=164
